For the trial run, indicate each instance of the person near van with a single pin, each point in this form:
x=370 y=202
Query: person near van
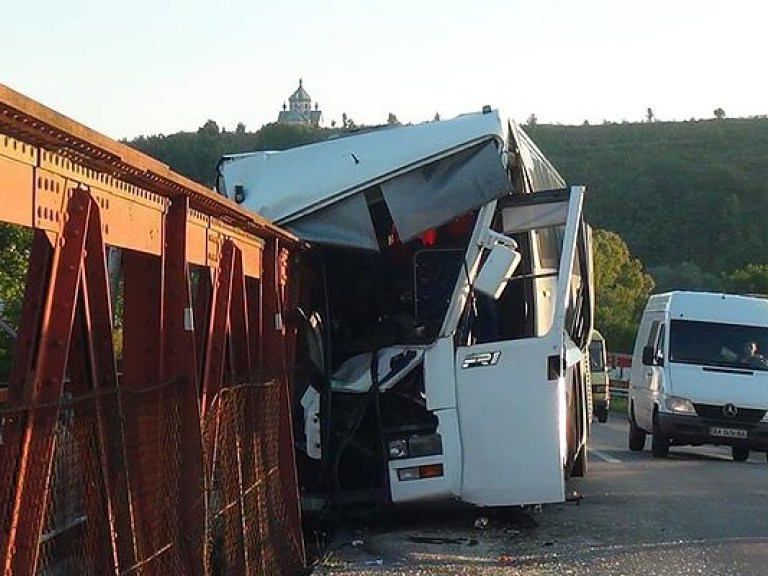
x=752 y=356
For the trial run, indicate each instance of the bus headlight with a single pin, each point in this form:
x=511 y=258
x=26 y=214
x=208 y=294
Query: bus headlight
x=398 y=449
x=416 y=446
x=679 y=405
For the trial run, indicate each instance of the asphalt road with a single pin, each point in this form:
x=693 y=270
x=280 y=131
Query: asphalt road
x=697 y=512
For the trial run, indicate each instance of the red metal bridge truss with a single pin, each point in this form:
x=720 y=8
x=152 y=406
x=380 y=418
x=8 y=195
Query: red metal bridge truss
x=145 y=427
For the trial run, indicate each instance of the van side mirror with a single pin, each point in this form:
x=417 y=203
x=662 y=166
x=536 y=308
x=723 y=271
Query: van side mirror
x=650 y=358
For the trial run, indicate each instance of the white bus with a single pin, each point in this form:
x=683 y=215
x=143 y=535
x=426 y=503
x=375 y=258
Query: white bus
x=446 y=308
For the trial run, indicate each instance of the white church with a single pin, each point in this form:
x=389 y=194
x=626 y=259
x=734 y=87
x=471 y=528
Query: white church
x=299 y=110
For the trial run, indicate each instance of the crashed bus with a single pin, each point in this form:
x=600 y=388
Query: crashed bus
x=446 y=307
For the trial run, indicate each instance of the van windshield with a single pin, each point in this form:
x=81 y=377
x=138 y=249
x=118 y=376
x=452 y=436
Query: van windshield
x=596 y=355
x=717 y=344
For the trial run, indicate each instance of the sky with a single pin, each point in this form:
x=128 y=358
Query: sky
x=157 y=67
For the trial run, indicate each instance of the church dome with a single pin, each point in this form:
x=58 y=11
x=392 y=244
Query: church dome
x=300 y=95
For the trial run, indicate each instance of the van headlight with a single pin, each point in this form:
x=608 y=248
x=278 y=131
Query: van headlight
x=679 y=405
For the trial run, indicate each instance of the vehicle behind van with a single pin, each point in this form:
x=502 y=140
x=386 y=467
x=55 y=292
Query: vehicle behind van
x=698 y=375
x=598 y=368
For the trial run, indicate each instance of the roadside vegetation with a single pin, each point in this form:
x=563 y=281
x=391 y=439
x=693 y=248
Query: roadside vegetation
x=14 y=256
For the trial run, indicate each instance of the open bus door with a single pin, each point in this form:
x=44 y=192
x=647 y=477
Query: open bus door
x=522 y=410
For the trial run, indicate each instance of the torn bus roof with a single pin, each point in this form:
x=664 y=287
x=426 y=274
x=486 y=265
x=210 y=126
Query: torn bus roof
x=426 y=174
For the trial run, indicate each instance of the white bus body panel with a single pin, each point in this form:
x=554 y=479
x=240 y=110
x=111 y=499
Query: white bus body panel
x=426 y=489
x=511 y=421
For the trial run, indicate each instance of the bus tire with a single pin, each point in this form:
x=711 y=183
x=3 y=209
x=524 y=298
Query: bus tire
x=580 y=464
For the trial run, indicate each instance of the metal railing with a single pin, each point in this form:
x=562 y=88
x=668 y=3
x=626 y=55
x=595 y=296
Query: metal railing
x=163 y=446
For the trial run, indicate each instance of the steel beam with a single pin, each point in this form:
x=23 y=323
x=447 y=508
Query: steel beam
x=141 y=390
x=180 y=366
x=92 y=370
x=275 y=281
x=22 y=528
x=216 y=345
x=22 y=374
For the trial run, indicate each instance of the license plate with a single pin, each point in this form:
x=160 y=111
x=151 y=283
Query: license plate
x=728 y=432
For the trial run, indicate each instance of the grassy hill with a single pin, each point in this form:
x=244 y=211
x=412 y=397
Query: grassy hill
x=690 y=197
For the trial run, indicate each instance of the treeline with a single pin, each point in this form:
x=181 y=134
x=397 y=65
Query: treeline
x=689 y=198
x=195 y=154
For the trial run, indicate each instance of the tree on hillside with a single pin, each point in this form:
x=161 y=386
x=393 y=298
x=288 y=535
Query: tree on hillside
x=622 y=288
x=240 y=129
x=719 y=113
x=347 y=122
x=683 y=276
x=392 y=120
x=532 y=120
x=752 y=279
x=649 y=116
x=211 y=128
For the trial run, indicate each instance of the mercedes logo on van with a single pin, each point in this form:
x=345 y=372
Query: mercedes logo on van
x=730 y=411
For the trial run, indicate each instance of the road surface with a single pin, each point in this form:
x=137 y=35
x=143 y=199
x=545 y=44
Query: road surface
x=697 y=512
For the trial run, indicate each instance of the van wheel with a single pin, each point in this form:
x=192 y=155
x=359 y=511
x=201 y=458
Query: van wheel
x=739 y=453
x=659 y=443
x=636 y=437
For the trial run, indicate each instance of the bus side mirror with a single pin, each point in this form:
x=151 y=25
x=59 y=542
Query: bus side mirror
x=497 y=270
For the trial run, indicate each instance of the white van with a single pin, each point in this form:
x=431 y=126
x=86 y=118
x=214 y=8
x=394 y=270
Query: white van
x=697 y=373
